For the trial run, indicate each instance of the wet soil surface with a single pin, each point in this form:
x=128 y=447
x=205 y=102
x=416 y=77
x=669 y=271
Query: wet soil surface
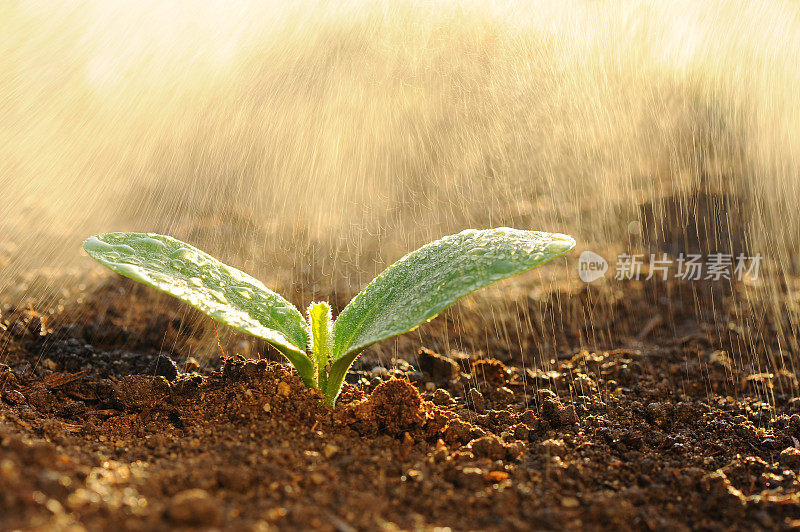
x=663 y=432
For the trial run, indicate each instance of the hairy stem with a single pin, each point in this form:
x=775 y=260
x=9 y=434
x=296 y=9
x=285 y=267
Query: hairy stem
x=319 y=316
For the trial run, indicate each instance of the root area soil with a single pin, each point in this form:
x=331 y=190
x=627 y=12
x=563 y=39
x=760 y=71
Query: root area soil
x=667 y=433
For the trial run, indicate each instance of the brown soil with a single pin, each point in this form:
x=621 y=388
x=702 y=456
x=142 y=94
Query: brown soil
x=672 y=430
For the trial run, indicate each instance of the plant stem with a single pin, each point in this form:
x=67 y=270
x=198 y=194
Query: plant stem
x=319 y=315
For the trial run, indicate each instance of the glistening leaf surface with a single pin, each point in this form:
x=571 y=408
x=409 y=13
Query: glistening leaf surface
x=426 y=281
x=224 y=293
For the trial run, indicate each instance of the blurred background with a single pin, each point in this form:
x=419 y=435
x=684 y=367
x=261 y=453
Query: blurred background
x=312 y=144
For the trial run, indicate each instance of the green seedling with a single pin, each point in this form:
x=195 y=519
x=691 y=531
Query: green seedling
x=408 y=293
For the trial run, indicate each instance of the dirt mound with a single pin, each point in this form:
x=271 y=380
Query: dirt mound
x=394 y=407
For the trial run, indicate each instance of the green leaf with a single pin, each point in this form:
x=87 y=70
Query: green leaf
x=224 y=293
x=423 y=283
x=319 y=318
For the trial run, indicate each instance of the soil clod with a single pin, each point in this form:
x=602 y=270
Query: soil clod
x=194 y=507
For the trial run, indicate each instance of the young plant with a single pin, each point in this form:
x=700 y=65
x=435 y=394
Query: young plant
x=408 y=293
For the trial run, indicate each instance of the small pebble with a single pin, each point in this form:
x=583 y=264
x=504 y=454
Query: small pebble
x=790 y=457
x=163 y=366
x=194 y=507
x=191 y=365
x=457 y=431
x=379 y=371
x=570 y=502
x=442 y=397
x=522 y=432
x=330 y=450
x=553 y=447
x=477 y=401
x=489 y=446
